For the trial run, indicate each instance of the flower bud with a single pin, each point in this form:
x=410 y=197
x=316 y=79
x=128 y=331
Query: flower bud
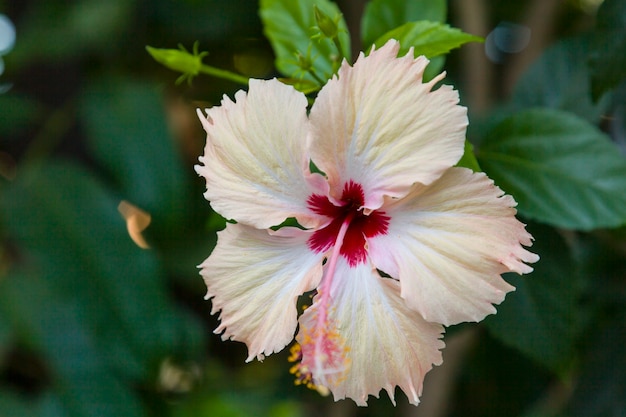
x=178 y=59
x=326 y=25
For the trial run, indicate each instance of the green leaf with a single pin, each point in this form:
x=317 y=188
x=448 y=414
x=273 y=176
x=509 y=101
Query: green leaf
x=86 y=385
x=468 y=160
x=382 y=16
x=540 y=317
x=128 y=135
x=19 y=405
x=72 y=28
x=14 y=406
x=560 y=169
x=559 y=79
x=19 y=113
x=68 y=228
x=6 y=334
x=608 y=58
x=430 y=39
x=290 y=24
x=601 y=389
x=210 y=405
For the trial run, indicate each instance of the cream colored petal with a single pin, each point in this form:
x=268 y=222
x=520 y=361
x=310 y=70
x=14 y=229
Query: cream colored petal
x=254 y=161
x=254 y=280
x=385 y=343
x=449 y=242
x=381 y=126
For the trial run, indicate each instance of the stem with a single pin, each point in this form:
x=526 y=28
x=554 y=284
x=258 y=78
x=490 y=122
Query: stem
x=340 y=56
x=227 y=75
x=337 y=43
x=317 y=77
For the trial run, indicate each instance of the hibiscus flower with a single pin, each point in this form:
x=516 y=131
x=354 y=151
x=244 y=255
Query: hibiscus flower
x=395 y=240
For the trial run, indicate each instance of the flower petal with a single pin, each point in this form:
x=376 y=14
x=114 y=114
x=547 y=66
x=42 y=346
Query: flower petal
x=254 y=162
x=379 y=125
x=449 y=242
x=384 y=342
x=254 y=279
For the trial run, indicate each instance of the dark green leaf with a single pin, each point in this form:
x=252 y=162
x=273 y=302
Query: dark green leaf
x=601 y=390
x=18 y=113
x=617 y=121
x=86 y=385
x=6 y=334
x=560 y=169
x=289 y=25
x=382 y=16
x=559 y=79
x=608 y=59
x=540 y=317
x=597 y=387
x=129 y=137
x=468 y=160
x=509 y=379
x=430 y=39
x=16 y=405
x=210 y=405
x=69 y=229
x=71 y=28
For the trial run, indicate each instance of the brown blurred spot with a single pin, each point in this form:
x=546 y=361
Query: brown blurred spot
x=136 y=222
x=185 y=126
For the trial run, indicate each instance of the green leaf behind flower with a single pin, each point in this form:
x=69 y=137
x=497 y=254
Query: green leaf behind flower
x=430 y=39
x=560 y=169
x=540 y=318
x=290 y=26
x=559 y=79
x=382 y=16
x=468 y=160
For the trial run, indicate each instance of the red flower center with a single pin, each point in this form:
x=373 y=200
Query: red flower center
x=361 y=226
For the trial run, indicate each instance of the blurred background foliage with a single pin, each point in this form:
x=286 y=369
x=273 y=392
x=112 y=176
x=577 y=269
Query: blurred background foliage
x=92 y=323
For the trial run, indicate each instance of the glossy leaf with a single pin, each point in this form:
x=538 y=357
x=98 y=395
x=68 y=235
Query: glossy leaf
x=430 y=39
x=289 y=26
x=540 y=317
x=559 y=79
x=382 y=16
x=560 y=169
